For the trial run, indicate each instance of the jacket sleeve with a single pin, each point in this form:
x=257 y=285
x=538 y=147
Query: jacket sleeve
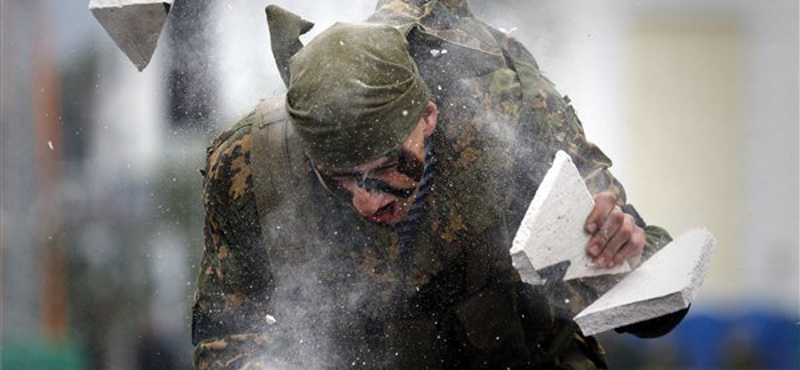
x=234 y=279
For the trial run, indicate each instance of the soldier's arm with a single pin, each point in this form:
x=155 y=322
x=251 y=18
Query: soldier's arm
x=563 y=130
x=234 y=279
x=594 y=166
x=553 y=123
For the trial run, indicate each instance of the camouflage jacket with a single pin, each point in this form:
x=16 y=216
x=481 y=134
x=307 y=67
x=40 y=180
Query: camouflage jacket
x=290 y=276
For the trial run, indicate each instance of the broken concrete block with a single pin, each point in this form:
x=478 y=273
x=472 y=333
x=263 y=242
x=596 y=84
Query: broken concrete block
x=665 y=283
x=551 y=243
x=134 y=25
x=552 y=230
x=526 y=271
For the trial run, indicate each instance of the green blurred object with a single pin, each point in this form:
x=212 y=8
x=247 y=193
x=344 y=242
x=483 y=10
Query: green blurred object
x=39 y=355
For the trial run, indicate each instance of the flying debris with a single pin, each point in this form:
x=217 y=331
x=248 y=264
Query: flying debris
x=134 y=25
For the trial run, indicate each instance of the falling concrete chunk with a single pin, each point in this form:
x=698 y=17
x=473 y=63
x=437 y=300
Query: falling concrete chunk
x=552 y=230
x=665 y=283
x=134 y=25
x=526 y=271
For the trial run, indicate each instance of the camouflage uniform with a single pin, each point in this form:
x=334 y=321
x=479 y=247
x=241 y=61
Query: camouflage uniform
x=292 y=276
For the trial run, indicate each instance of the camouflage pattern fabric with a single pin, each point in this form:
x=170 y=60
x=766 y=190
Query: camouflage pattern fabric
x=458 y=303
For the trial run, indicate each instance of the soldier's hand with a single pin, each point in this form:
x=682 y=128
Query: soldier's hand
x=615 y=235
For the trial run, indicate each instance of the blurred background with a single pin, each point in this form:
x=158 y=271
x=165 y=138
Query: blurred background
x=101 y=225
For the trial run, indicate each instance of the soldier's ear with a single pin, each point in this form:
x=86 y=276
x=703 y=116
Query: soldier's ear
x=429 y=119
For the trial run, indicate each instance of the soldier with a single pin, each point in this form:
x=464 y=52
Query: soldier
x=364 y=218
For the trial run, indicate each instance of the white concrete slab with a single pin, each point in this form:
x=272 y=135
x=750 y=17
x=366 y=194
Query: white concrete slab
x=552 y=229
x=134 y=25
x=665 y=283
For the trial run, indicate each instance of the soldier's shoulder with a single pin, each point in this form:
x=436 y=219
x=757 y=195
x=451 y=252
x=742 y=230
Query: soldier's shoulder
x=240 y=130
x=227 y=176
x=236 y=139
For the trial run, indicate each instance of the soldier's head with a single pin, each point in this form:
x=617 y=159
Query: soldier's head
x=362 y=112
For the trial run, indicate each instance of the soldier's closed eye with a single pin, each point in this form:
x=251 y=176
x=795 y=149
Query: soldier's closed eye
x=360 y=175
x=384 y=169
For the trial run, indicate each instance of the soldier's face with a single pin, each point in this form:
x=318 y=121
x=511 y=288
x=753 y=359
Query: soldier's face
x=383 y=190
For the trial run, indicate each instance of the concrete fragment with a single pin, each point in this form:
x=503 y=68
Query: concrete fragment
x=552 y=229
x=665 y=283
x=526 y=271
x=134 y=25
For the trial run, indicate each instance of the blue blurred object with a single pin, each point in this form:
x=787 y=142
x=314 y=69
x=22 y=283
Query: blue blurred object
x=700 y=338
x=775 y=338
x=754 y=339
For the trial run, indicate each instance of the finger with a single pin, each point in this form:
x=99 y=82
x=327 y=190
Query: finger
x=608 y=226
x=614 y=248
x=616 y=261
x=604 y=203
x=632 y=250
x=602 y=240
x=627 y=240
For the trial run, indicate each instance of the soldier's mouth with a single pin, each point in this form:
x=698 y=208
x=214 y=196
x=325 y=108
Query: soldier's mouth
x=385 y=214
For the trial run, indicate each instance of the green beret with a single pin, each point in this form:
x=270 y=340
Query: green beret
x=354 y=94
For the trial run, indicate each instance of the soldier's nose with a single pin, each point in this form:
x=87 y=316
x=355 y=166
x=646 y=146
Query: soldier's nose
x=367 y=202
